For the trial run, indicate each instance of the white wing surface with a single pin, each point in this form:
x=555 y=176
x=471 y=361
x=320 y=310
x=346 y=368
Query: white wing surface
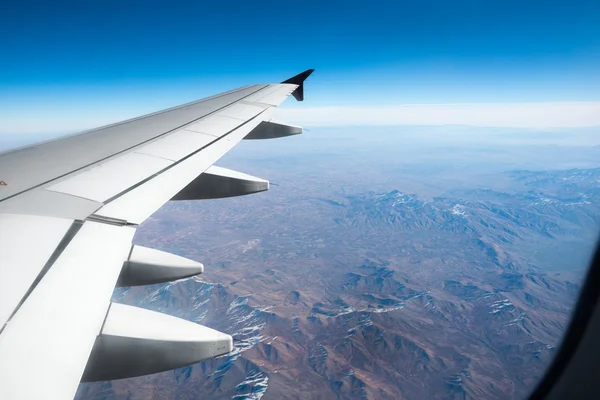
x=68 y=211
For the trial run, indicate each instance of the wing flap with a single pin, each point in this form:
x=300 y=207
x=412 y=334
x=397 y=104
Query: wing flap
x=21 y=263
x=44 y=202
x=55 y=328
x=108 y=179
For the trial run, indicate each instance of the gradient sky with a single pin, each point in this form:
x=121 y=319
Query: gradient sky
x=107 y=59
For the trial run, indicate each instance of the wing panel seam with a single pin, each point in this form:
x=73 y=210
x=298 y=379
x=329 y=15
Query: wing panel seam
x=179 y=161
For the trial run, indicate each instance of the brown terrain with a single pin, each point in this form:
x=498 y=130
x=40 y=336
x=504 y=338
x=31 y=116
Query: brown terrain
x=375 y=276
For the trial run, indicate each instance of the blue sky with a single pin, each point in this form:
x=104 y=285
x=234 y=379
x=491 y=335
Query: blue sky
x=118 y=57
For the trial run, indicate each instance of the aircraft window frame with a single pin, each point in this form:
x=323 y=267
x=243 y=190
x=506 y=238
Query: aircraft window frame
x=580 y=322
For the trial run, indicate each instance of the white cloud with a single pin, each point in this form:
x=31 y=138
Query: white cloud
x=43 y=123
x=524 y=115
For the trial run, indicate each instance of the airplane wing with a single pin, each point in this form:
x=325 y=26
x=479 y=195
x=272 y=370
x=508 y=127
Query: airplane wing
x=68 y=211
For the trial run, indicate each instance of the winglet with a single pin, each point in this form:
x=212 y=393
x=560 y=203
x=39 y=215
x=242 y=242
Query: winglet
x=299 y=80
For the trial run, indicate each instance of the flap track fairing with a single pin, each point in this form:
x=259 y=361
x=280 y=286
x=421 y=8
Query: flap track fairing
x=217 y=182
x=273 y=130
x=147 y=266
x=135 y=342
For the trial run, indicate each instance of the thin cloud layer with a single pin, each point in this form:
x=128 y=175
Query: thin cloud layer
x=518 y=115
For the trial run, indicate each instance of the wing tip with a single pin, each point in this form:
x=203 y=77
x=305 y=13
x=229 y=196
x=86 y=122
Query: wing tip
x=299 y=80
